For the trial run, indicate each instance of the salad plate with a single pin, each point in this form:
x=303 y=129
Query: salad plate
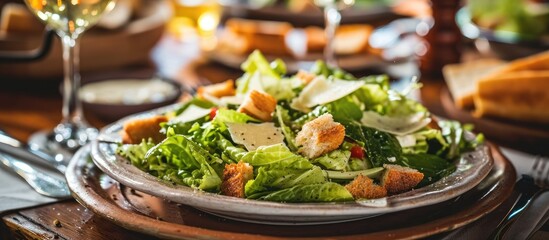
x=159 y=218
x=317 y=147
x=470 y=170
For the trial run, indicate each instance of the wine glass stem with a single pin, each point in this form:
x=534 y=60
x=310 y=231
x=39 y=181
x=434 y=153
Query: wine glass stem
x=332 y=18
x=72 y=110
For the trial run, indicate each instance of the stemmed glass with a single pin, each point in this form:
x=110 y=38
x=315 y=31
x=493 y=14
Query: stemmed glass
x=69 y=19
x=332 y=19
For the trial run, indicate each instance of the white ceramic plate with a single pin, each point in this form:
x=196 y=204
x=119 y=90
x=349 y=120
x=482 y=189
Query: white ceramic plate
x=471 y=169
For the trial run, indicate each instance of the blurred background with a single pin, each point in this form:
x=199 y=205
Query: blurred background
x=372 y=35
x=196 y=42
x=223 y=31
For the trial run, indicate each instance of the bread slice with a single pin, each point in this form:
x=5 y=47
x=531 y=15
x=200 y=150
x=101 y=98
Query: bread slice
x=259 y=105
x=397 y=179
x=218 y=90
x=352 y=39
x=461 y=78
x=267 y=36
x=364 y=187
x=320 y=136
x=136 y=130
x=539 y=61
x=316 y=39
x=522 y=96
x=349 y=39
x=235 y=176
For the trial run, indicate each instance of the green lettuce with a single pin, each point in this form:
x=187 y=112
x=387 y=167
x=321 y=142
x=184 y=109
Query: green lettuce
x=432 y=167
x=276 y=167
x=426 y=141
x=284 y=121
x=321 y=192
x=334 y=160
x=381 y=147
x=455 y=135
x=177 y=159
x=259 y=72
x=136 y=152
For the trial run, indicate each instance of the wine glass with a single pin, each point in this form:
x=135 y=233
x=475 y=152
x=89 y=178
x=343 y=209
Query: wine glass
x=332 y=19
x=69 y=19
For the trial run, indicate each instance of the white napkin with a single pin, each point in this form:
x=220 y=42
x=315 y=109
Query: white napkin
x=522 y=161
x=15 y=193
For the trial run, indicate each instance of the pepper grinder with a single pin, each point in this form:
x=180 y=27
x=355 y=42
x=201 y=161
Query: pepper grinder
x=443 y=39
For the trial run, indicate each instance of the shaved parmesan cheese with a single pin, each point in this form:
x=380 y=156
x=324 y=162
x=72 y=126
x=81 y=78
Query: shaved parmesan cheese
x=321 y=91
x=253 y=135
x=192 y=113
x=399 y=126
x=407 y=140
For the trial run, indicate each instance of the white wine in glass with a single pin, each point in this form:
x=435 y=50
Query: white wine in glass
x=332 y=19
x=69 y=19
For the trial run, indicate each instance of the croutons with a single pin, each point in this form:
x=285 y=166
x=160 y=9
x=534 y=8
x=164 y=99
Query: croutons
x=397 y=179
x=136 y=130
x=320 y=136
x=259 y=105
x=364 y=187
x=235 y=176
x=217 y=90
x=305 y=77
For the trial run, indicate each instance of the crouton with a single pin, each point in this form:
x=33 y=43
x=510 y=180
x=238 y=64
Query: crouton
x=217 y=90
x=136 y=130
x=397 y=179
x=235 y=176
x=320 y=136
x=259 y=105
x=364 y=187
x=305 y=77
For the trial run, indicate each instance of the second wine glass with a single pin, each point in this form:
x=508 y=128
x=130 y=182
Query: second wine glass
x=332 y=19
x=69 y=19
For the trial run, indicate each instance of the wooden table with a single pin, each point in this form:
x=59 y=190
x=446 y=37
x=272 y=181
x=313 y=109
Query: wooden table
x=29 y=107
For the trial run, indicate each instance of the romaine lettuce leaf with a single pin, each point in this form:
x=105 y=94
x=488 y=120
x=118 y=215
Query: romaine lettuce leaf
x=426 y=141
x=334 y=160
x=320 y=68
x=178 y=159
x=322 y=192
x=284 y=121
x=345 y=110
x=432 y=166
x=269 y=179
x=136 y=152
x=455 y=135
x=257 y=62
x=267 y=77
x=277 y=168
x=276 y=156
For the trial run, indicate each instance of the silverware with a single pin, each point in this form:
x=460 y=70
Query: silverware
x=15 y=147
x=530 y=219
x=528 y=187
x=42 y=183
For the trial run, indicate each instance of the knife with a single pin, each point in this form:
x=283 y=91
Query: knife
x=531 y=219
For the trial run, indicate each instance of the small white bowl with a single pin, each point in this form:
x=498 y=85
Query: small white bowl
x=112 y=99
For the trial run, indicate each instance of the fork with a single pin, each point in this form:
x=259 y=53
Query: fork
x=529 y=186
x=15 y=147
